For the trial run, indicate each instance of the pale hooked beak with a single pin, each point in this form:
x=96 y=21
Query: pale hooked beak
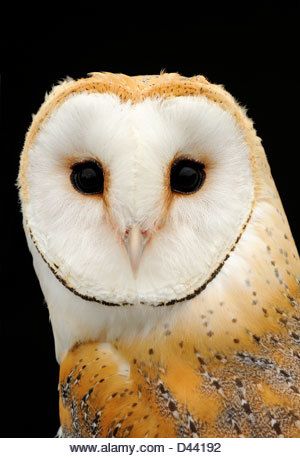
x=135 y=240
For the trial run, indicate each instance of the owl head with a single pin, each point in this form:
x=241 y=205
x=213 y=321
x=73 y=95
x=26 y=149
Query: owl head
x=135 y=191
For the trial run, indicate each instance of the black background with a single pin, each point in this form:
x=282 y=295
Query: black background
x=254 y=53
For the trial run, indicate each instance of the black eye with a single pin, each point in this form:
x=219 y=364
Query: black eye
x=187 y=176
x=87 y=177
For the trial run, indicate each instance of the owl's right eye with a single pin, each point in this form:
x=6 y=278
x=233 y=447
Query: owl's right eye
x=87 y=177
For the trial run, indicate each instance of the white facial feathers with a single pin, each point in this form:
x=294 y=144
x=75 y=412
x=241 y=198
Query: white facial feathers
x=80 y=237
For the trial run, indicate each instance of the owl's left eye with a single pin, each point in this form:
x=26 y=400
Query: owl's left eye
x=187 y=176
x=87 y=177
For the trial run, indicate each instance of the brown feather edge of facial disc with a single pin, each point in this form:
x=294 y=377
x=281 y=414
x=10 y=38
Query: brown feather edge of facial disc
x=189 y=296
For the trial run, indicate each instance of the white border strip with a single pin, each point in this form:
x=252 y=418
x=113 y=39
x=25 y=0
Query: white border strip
x=225 y=448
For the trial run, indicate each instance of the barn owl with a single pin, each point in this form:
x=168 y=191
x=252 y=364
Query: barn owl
x=166 y=261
